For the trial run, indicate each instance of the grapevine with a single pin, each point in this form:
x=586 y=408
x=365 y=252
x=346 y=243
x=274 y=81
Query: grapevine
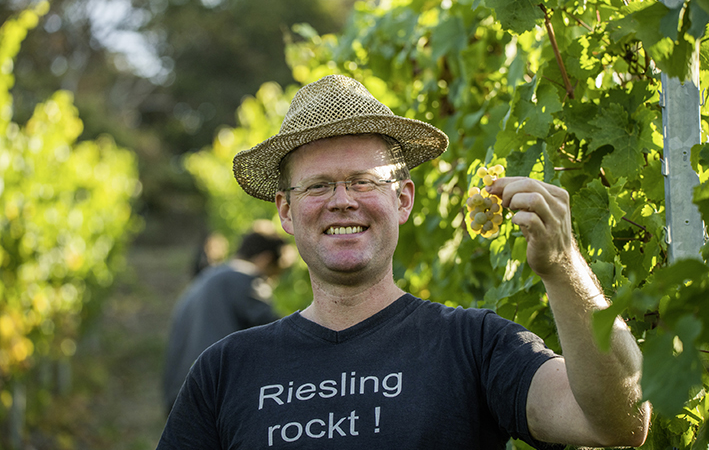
x=65 y=218
x=484 y=215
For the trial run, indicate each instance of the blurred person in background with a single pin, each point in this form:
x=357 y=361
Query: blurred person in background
x=213 y=250
x=222 y=299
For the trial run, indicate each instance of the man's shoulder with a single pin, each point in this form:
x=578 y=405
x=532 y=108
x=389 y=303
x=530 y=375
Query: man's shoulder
x=435 y=317
x=451 y=311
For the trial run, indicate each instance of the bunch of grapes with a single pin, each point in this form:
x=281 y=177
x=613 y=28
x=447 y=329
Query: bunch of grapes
x=484 y=210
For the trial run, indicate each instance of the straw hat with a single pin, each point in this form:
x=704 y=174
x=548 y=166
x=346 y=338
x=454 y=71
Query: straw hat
x=335 y=105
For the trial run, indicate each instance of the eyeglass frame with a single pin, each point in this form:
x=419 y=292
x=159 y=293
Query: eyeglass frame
x=300 y=190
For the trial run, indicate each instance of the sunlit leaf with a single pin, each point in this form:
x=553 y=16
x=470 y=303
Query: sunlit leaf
x=591 y=209
x=671 y=366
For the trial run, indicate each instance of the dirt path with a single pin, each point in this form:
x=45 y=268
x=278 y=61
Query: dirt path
x=134 y=333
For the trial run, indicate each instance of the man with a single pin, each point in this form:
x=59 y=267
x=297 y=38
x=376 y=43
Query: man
x=367 y=365
x=222 y=299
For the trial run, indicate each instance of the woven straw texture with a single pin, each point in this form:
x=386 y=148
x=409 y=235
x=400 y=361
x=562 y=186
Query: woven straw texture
x=332 y=106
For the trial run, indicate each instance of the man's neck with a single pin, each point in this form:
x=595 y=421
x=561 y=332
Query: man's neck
x=340 y=307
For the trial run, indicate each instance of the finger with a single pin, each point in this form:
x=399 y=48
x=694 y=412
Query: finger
x=530 y=224
x=531 y=195
x=499 y=185
x=535 y=203
x=506 y=187
x=559 y=193
x=511 y=185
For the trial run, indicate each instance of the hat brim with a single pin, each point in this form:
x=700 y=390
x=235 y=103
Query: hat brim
x=257 y=169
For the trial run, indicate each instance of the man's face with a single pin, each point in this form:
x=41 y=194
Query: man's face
x=370 y=220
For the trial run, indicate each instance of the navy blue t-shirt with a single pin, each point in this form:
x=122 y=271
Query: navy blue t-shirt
x=416 y=375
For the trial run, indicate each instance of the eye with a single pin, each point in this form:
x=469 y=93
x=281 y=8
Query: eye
x=363 y=184
x=318 y=188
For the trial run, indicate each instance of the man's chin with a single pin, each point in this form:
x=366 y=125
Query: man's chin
x=347 y=274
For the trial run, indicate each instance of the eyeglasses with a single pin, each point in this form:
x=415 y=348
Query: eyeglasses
x=320 y=188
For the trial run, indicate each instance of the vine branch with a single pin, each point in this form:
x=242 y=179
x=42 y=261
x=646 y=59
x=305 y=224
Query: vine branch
x=647 y=233
x=579 y=21
x=557 y=54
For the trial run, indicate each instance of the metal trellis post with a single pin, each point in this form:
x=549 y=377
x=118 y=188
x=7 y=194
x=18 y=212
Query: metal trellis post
x=681 y=125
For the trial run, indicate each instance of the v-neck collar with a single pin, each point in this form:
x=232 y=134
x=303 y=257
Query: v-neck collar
x=337 y=337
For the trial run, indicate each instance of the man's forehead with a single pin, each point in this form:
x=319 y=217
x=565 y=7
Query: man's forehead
x=342 y=153
x=353 y=141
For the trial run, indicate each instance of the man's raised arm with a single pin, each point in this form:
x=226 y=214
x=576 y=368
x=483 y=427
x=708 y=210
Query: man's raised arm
x=589 y=397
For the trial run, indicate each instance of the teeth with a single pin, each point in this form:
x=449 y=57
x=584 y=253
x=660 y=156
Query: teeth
x=344 y=230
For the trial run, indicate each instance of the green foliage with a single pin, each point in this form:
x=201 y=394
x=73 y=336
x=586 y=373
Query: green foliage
x=566 y=92
x=232 y=211
x=65 y=215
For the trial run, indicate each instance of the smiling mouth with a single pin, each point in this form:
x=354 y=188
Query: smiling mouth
x=345 y=230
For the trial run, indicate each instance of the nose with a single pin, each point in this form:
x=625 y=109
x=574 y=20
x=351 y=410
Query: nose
x=346 y=184
x=341 y=197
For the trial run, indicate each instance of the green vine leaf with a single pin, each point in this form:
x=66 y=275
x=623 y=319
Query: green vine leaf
x=700 y=156
x=604 y=319
x=520 y=163
x=698 y=18
x=537 y=116
x=448 y=37
x=669 y=23
x=701 y=199
x=613 y=127
x=653 y=182
x=672 y=365
x=577 y=116
x=517 y=16
x=591 y=208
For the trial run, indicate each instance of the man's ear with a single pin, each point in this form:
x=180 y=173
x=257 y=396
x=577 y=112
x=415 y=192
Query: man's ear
x=406 y=200
x=284 y=212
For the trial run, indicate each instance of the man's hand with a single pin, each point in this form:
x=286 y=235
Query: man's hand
x=544 y=216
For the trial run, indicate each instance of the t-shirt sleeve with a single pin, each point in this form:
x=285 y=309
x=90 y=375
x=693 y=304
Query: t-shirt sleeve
x=511 y=356
x=192 y=422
